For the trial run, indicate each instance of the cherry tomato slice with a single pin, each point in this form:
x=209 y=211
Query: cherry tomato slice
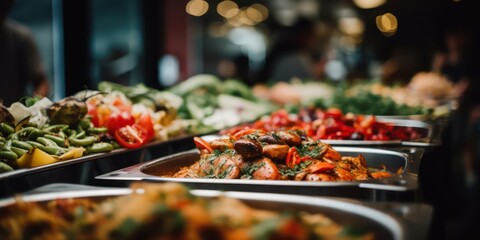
x=146 y=122
x=118 y=120
x=319 y=167
x=293 y=158
x=130 y=136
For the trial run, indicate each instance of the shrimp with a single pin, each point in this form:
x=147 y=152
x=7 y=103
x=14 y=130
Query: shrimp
x=218 y=167
x=221 y=144
x=276 y=152
x=267 y=170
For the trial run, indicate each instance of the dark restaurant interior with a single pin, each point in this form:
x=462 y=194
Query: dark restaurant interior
x=162 y=43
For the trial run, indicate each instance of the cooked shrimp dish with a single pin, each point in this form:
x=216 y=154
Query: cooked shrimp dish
x=276 y=155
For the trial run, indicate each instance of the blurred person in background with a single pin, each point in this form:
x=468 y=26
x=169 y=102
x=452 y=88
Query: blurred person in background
x=293 y=55
x=457 y=61
x=21 y=67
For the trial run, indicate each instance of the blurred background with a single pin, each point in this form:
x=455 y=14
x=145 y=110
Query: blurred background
x=164 y=42
x=161 y=43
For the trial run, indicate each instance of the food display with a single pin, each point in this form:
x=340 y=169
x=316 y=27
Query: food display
x=170 y=211
x=117 y=116
x=427 y=93
x=370 y=98
x=62 y=133
x=264 y=145
x=276 y=155
x=213 y=104
x=332 y=123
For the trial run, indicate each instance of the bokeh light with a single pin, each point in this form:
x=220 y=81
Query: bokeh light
x=367 y=4
x=197 y=7
x=227 y=9
x=387 y=24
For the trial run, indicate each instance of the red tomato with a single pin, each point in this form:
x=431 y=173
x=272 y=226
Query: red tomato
x=244 y=132
x=92 y=111
x=201 y=144
x=318 y=167
x=293 y=158
x=131 y=136
x=146 y=122
x=100 y=114
x=335 y=113
x=118 y=120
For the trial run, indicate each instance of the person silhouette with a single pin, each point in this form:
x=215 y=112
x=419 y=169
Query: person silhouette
x=20 y=63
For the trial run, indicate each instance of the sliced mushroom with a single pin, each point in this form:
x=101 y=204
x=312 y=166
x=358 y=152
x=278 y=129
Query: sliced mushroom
x=248 y=148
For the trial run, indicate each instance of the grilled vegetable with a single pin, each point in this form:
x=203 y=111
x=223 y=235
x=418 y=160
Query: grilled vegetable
x=67 y=111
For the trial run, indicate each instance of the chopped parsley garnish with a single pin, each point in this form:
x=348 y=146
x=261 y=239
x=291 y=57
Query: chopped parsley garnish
x=223 y=174
x=311 y=149
x=291 y=172
x=249 y=170
x=254 y=136
x=229 y=152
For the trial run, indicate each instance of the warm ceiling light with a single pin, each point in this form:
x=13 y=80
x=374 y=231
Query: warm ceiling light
x=351 y=25
x=244 y=19
x=367 y=4
x=227 y=9
x=254 y=15
x=387 y=24
x=262 y=9
x=197 y=7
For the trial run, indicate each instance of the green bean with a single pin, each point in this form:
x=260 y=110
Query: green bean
x=80 y=134
x=53 y=150
x=18 y=151
x=32 y=124
x=21 y=144
x=97 y=130
x=62 y=134
x=115 y=145
x=34 y=134
x=7 y=145
x=8 y=154
x=35 y=144
x=5 y=167
x=100 y=147
x=59 y=141
x=55 y=128
x=69 y=133
x=23 y=133
x=7 y=129
x=89 y=140
x=46 y=142
x=85 y=123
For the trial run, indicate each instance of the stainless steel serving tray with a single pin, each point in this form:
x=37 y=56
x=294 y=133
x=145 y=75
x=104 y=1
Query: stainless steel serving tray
x=393 y=160
x=396 y=221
